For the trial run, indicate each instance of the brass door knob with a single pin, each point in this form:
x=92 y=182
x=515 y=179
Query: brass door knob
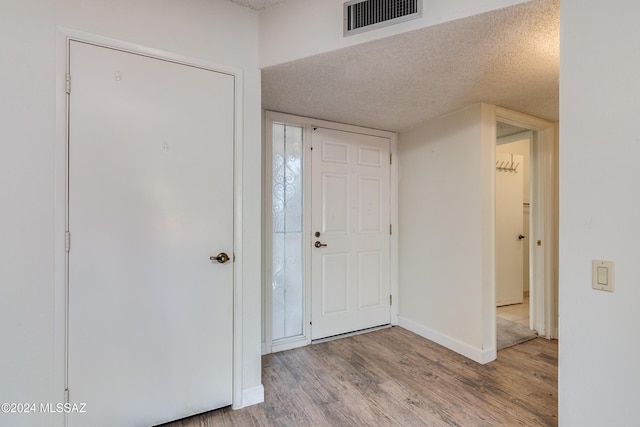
x=221 y=258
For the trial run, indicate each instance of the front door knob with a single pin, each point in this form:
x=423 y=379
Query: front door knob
x=221 y=258
x=319 y=244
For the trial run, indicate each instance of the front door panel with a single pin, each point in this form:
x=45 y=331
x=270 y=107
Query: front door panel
x=350 y=211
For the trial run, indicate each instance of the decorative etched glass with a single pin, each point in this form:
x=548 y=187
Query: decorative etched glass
x=287 y=209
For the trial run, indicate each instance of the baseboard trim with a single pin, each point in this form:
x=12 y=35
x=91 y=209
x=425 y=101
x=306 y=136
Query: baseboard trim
x=510 y=301
x=289 y=344
x=473 y=353
x=252 y=396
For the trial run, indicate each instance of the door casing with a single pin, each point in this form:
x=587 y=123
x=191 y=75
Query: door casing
x=308 y=124
x=60 y=292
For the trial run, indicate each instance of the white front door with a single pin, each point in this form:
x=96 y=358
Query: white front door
x=150 y=200
x=509 y=237
x=350 y=227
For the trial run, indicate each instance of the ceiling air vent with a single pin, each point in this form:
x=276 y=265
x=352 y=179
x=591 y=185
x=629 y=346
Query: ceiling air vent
x=366 y=15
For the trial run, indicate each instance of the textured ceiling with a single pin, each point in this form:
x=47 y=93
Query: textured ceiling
x=257 y=4
x=508 y=57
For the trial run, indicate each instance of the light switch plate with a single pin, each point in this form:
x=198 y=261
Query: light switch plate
x=602 y=275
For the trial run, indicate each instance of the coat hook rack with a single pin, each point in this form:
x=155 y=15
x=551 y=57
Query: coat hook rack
x=506 y=166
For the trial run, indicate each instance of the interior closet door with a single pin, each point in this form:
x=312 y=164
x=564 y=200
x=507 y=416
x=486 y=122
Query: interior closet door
x=350 y=226
x=150 y=201
x=509 y=237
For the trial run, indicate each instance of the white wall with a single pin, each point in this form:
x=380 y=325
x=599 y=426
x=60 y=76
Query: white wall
x=599 y=343
x=446 y=231
x=301 y=28
x=519 y=145
x=212 y=30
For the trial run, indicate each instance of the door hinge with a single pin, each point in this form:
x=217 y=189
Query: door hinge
x=67 y=83
x=390 y=158
x=390 y=299
x=234 y=257
x=390 y=230
x=66 y=395
x=67 y=241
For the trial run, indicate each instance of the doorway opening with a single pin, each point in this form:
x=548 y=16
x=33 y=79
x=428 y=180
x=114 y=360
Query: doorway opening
x=532 y=142
x=513 y=202
x=330 y=253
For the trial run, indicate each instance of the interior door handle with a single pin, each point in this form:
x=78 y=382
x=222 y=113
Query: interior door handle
x=520 y=237
x=221 y=258
x=319 y=244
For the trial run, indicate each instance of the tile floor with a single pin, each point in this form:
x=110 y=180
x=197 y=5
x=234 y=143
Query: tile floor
x=518 y=313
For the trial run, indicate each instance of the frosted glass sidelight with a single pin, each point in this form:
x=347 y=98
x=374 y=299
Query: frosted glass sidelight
x=287 y=209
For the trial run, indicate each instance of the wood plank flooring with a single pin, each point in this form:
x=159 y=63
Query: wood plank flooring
x=393 y=377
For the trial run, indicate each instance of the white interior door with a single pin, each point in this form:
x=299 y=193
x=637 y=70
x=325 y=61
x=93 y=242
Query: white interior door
x=509 y=244
x=150 y=200
x=350 y=222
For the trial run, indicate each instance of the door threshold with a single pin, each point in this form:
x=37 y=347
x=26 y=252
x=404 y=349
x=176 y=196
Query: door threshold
x=350 y=334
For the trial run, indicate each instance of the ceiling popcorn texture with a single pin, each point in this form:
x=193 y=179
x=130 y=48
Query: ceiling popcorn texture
x=508 y=57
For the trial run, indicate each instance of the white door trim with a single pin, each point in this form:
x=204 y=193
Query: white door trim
x=544 y=200
x=60 y=293
x=308 y=124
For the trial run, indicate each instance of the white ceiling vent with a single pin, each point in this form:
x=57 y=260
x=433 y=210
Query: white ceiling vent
x=366 y=15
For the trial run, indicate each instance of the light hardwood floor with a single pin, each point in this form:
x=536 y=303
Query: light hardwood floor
x=393 y=377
